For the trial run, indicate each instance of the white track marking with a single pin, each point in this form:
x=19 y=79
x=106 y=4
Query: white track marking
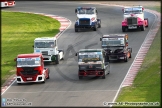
x=65 y=91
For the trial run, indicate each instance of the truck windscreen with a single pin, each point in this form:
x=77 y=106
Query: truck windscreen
x=44 y=44
x=28 y=62
x=90 y=56
x=113 y=43
x=133 y=10
x=86 y=11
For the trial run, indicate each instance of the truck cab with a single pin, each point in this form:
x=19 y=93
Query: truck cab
x=91 y=62
x=49 y=49
x=116 y=46
x=87 y=17
x=30 y=68
x=133 y=18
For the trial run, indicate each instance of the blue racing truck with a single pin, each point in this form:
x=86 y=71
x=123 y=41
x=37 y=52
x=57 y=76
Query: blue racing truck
x=86 y=18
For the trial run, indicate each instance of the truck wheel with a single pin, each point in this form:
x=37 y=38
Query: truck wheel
x=76 y=29
x=130 y=55
x=57 y=59
x=126 y=59
x=48 y=74
x=99 y=23
x=80 y=77
x=147 y=22
x=95 y=28
x=143 y=28
x=123 y=29
x=103 y=77
x=109 y=69
x=18 y=83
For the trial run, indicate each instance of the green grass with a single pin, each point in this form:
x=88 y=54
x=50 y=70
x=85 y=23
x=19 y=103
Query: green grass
x=18 y=33
x=146 y=86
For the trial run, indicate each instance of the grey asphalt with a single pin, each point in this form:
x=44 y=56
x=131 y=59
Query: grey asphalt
x=64 y=88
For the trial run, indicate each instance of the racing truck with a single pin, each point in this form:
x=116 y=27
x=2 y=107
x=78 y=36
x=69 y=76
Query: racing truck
x=49 y=49
x=7 y=3
x=86 y=18
x=134 y=18
x=116 y=46
x=92 y=62
x=30 y=68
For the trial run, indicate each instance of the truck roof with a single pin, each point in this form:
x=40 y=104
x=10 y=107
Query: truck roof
x=114 y=35
x=45 y=38
x=29 y=55
x=90 y=50
x=133 y=6
x=86 y=7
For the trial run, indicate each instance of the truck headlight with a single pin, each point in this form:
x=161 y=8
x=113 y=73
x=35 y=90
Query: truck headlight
x=92 y=19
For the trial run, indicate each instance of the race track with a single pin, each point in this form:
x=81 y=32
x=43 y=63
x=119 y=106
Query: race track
x=64 y=88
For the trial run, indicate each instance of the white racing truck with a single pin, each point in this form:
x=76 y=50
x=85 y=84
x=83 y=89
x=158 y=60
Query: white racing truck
x=86 y=18
x=49 y=49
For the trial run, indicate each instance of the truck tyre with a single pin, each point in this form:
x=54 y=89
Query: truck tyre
x=130 y=55
x=80 y=77
x=109 y=69
x=143 y=28
x=57 y=59
x=123 y=29
x=95 y=28
x=18 y=83
x=126 y=59
x=147 y=22
x=48 y=74
x=99 y=23
x=103 y=77
x=76 y=29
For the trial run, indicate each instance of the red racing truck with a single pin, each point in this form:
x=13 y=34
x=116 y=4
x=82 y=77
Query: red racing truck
x=134 y=18
x=30 y=68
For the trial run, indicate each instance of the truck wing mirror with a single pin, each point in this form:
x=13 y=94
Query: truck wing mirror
x=75 y=11
x=15 y=59
x=100 y=39
x=33 y=46
x=76 y=54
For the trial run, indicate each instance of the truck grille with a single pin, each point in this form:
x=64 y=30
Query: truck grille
x=84 y=21
x=29 y=71
x=44 y=52
x=113 y=57
x=132 y=21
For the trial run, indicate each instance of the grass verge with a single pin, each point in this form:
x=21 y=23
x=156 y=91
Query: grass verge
x=146 y=86
x=18 y=33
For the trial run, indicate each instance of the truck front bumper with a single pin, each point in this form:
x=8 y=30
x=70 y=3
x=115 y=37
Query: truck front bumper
x=132 y=27
x=117 y=57
x=91 y=73
x=84 y=26
x=40 y=78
